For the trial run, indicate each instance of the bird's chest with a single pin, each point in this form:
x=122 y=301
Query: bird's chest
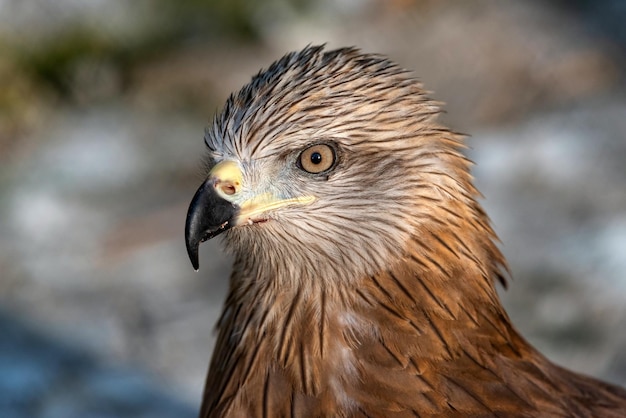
x=318 y=370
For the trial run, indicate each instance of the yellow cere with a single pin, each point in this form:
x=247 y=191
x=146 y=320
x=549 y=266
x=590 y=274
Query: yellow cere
x=228 y=178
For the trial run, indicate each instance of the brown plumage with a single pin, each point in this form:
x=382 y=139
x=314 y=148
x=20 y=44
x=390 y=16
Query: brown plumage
x=365 y=269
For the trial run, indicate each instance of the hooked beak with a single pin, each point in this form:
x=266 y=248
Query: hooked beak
x=215 y=207
x=208 y=216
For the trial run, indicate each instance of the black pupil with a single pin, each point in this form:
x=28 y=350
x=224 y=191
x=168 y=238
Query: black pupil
x=316 y=158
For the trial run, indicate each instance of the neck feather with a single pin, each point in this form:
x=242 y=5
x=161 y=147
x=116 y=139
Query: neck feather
x=328 y=348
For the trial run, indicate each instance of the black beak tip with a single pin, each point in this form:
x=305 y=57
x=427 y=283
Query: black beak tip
x=191 y=239
x=192 y=251
x=193 y=245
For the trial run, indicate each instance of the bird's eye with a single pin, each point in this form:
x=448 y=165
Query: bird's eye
x=317 y=158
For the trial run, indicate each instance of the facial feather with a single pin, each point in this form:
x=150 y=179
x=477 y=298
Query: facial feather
x=370 y=109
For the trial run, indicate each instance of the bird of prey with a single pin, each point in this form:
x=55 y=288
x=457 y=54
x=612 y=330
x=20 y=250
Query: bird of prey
x=364 y=276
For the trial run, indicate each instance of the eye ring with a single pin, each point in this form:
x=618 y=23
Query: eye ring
x=317 y=158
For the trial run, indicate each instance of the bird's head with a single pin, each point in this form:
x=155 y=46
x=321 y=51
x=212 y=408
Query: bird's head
x=327 y=162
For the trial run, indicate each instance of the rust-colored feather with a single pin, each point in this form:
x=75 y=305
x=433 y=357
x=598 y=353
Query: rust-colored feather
x=378 y=300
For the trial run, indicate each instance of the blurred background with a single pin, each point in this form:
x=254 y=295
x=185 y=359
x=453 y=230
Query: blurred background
x=102 y=111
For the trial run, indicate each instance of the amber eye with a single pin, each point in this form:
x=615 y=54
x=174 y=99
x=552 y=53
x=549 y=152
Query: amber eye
x=317 y=158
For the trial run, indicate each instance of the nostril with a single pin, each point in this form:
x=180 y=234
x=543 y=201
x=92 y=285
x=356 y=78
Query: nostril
x=228 y=188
